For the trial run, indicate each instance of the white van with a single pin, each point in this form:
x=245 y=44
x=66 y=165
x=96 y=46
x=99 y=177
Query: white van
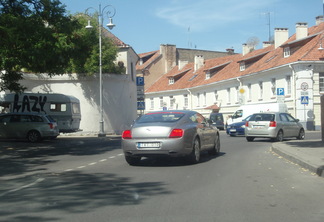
x=245 y=110
x=64 y=109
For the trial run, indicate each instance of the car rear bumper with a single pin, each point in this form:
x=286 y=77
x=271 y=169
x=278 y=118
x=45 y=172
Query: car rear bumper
x=169 y=147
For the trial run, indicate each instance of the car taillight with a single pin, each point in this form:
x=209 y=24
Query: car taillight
x=127 y=134
x=51 y=125
x=247 y=123
x=176 y=133
x=273 y=124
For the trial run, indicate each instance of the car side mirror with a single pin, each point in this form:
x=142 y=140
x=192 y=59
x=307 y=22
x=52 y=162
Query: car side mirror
x=209 y=121
x=297 y=120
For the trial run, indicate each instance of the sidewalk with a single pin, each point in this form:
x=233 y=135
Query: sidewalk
x=309 y=154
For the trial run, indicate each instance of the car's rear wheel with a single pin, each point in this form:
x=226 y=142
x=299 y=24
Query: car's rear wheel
x=216 y=148
x=301 y=134
x=133 y=160
x=33 y=136
x=194 y=156
x=249 y=138
x=280 y=136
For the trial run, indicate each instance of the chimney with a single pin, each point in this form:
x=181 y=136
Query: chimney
x=246 y=49
x=199 y=62
x=280 y=36
x=266 y=44
x=168 y=53
x=319 y=19
x=301 y=30
x=230 y=51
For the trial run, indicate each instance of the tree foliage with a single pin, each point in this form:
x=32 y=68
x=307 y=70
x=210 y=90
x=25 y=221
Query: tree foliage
x=39 y=36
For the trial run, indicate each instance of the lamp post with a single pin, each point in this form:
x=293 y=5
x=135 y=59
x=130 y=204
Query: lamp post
x=110 y=11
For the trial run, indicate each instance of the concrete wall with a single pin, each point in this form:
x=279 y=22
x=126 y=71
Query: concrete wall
x=119 y=98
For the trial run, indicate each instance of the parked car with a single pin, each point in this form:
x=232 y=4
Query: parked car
x=236 y=129
x=30 y=126
x=174 y=133
x=274 y=125
x=217 y=120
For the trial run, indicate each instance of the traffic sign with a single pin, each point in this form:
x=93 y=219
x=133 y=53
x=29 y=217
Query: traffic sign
x=140 y=81
x=280 y=91
x=141 y=105
x=304 y=100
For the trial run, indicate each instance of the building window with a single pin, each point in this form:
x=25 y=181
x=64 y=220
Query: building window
x=250 y=91
x=321 y=82
x=205 y=99
x=198 y=99
x=216 y=95
x=242 y=66
x=273 y=86
x=228 y=95
x=261 y=90
x=161 y=102
x=185 y=100
x=286 y=52
x=152 y=103
x=208 y=75
x=171 y=80
x=288 y=84
x=172 y=100
x=237 y=94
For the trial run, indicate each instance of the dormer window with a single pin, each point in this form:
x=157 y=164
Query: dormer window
x=242 y=66
x=286 y=52
x=171 y=80
x=207 y=75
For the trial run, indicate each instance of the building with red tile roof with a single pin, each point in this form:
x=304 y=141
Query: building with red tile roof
x=293 y=65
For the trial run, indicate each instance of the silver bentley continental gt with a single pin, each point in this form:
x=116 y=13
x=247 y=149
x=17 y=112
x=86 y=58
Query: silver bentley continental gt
x=174 y=133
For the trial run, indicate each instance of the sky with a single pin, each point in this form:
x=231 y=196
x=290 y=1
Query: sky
x=214 y=25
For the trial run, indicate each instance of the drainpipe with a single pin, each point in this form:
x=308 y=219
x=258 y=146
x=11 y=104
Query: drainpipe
x=294 y=89
x=190 y=93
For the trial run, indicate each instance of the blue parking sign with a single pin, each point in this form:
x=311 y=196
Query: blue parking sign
x=280 y=91
x=140 y=81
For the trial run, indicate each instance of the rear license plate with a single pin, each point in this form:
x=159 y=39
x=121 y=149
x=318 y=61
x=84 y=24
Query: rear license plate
x=148 y=145
x=233 y=130
x=257 y=127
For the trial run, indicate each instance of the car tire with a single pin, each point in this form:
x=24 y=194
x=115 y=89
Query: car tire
x=33 y=136
x=133 y=160
x=194 y=156
x=216 y=148
x=280 y=136
x=301 y=134
x=249 y=138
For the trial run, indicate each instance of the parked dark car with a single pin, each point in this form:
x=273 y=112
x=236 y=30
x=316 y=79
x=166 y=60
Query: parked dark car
x=273 y=125
x=30 y=126
x=236 y=129
x=217 y=120
x=170 y=133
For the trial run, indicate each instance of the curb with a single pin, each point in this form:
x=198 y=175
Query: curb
x=319 y=170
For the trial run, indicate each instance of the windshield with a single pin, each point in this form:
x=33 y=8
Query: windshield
x=160 y=117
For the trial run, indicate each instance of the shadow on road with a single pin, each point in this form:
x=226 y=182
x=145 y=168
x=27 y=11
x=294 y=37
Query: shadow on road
x=73 y=192
x=17 y=157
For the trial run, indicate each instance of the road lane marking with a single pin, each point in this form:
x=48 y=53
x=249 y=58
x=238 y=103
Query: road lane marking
x=103 y=160
x=91 y=164
x=23 y=187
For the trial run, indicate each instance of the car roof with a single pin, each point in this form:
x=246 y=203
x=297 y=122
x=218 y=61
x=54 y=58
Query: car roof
x=37 y=114
x=172 y=111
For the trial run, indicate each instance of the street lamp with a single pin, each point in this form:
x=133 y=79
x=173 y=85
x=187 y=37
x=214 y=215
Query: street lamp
x=110 y=11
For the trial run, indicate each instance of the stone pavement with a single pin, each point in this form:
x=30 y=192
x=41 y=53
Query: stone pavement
x=309 y=154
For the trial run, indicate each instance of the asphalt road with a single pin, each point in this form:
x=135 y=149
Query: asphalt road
x=87 y=179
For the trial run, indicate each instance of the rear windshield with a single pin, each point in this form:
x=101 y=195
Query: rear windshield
x=262 y=117
x=160 y=117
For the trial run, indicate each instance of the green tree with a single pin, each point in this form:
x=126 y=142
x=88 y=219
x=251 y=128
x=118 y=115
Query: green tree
x=39 y=36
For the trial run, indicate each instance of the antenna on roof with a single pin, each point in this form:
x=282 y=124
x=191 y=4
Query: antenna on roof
x=269 y=23
x=189 y=40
